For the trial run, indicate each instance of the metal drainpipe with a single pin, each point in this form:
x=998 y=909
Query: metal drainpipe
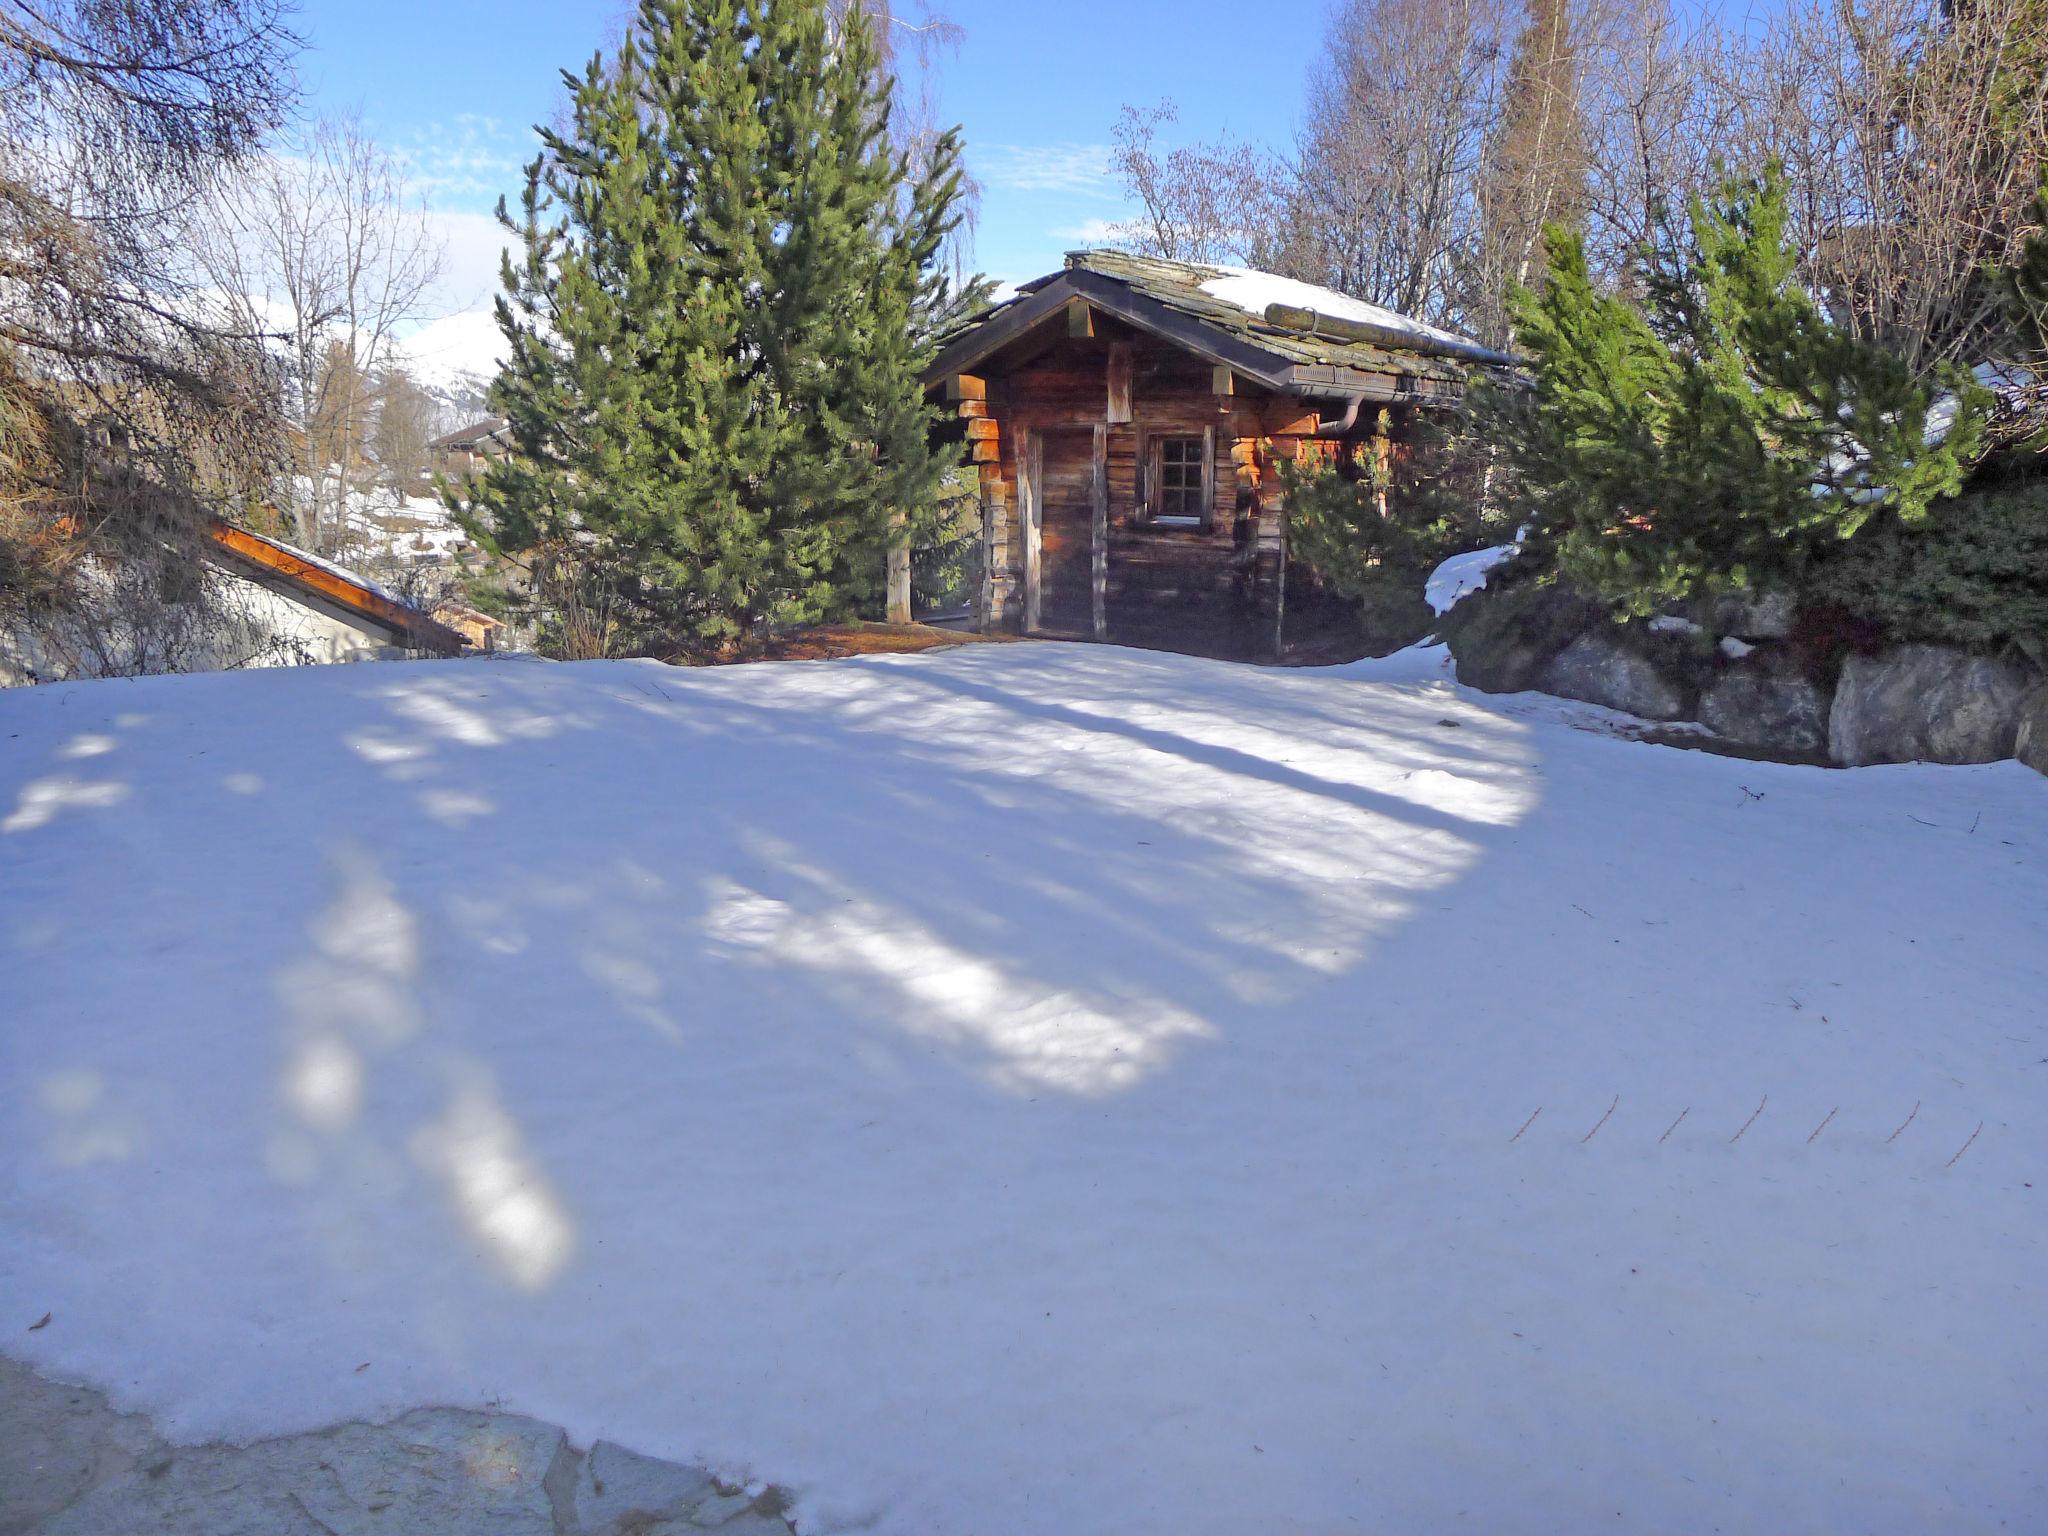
x=1343 y=427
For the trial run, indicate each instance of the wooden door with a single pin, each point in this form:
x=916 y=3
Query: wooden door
x=1064 y=477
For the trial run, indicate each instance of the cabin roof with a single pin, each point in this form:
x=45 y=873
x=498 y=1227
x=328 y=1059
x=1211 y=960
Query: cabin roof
x=470 y=436
x=1291 y=336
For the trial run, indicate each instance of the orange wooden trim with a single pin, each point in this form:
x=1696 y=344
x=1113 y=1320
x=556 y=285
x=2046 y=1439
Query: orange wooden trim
x=420 y=632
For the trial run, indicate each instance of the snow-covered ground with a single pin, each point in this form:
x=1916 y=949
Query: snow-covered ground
x=1038 y=1089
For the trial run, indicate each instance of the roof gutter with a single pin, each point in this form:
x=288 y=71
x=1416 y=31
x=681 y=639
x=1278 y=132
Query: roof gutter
x=1309 y=322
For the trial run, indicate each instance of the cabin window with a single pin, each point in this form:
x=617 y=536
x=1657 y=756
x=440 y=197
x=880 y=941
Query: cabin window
x=1180 y=475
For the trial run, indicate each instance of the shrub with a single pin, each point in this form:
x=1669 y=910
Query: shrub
x=1974 y=574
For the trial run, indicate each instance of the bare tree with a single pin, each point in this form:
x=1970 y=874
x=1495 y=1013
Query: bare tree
x=1913 y=134
x=1536 y=160
x=326 y=248
x=914 y=41
x=130 y=411
x=1204 y=202
x=407 y=417
x=1401 y=109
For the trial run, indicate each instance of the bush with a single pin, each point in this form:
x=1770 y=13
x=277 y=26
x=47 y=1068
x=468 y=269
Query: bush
x=1373 y=531
x=1722 y=432
x=1974 y=574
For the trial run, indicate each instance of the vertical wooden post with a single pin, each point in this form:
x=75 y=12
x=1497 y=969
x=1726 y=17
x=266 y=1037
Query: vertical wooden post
x=1098 y=573
x=1382 y=459
x=1119 y=383
x=1280 y=590
x=1208 y=476
x=898 y=611
x=1029 y=465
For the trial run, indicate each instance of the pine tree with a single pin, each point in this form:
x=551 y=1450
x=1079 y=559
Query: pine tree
x=713 y=387
x=1718 y=434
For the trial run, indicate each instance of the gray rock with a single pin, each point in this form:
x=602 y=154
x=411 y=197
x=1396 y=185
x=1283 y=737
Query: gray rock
x=1766 y=615
x=1925 y=703
x=2030 y=740
x=71 y=1466
x=437 y=1472
x=621 y=1492
x=1600 y=670
x=1759 y=709
x=58 y=1443
x=1502 y=638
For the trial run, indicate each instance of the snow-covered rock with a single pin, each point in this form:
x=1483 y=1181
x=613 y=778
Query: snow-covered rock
x=1925 y=703
x=433 y=1472
x=622 y=1493
x=1462 y=575
x=1504 y=640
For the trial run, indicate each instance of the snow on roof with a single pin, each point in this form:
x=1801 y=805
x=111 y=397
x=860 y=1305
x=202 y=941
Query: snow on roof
x=1251 y=291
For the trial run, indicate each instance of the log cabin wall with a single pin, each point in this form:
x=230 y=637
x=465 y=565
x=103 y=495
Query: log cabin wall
x=1176 y=573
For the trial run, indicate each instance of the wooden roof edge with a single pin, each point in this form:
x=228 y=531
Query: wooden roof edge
x=417 y=629
x=1048 y=296
x=1220 y=344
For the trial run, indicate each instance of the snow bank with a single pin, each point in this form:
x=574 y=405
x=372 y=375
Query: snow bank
x=1037 y=1088
x=1252 y=291
x=1462 y=575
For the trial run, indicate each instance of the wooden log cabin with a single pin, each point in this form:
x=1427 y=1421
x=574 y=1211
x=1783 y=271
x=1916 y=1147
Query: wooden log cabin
x=1126 y=416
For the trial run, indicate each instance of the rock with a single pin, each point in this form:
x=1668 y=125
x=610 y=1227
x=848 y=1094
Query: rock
x=1600 y=670
x=58 y=1443
x=437 y=1472
x=1925 y=703
x=2030 y=739
x=1784 y=714
x=71 y=1466
x=1766 y=615
x=621 y=1492
x=1503 y=637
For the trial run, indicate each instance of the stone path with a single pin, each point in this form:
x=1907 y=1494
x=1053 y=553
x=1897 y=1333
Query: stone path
x=71 y=1466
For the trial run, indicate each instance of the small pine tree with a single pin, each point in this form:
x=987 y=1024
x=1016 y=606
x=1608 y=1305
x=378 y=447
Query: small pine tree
x=713 y=390
x=1717 y=434
x=1373 y=528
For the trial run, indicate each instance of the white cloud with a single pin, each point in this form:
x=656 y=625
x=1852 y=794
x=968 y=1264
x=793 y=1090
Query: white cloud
x=469 y=270
x=1081 y=169
x=470 y=158
x=1091 y=232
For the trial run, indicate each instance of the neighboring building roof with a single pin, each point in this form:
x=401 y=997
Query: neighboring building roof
x=473 y=436
x=1289 y=335
x=362 y=601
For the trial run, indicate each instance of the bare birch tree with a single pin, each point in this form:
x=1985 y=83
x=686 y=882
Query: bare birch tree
x=1913 y=133
x=325 y=248
x=1202 y=202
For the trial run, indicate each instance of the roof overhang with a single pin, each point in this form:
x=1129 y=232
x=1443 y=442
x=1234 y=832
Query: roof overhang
x=1048 y=298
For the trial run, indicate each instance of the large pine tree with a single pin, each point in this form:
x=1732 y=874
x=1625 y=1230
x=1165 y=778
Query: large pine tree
x=716 y=334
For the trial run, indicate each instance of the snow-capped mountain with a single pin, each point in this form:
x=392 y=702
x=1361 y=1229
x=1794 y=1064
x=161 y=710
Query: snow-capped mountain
x=455 y=358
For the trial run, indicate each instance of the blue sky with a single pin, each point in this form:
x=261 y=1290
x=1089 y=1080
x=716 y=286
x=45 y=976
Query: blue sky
x=455 y=87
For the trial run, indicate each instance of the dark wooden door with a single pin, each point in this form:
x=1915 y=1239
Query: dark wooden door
x=1064 y=477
